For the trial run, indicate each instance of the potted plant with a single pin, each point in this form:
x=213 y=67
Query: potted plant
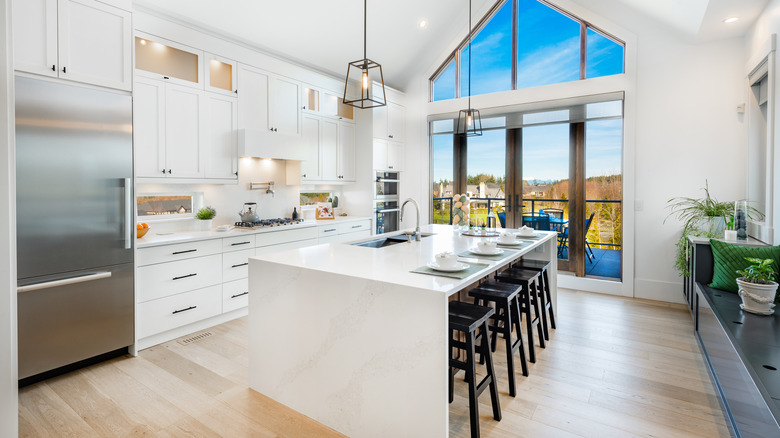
x=757 y=287
x=205 y=215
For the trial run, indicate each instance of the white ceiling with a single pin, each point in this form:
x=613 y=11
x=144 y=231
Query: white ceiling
x=327 y=35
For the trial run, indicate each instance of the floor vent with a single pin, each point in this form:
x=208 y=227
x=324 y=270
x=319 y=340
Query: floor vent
x=194 y=338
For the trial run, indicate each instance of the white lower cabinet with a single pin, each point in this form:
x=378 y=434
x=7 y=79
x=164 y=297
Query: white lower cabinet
x=174 y=311
x=235 y=295
x=235 y=265
x=161 y=280
x=344 y=231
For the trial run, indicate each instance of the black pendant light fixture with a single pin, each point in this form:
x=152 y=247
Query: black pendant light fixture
x=367 y=71
x=469 y=122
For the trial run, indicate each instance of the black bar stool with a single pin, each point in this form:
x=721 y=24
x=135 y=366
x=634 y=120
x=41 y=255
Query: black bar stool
x=505 y=297
x=471 y=319
x=529 y=303
x=544 y=291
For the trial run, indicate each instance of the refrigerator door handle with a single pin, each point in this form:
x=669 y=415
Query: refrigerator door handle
x=128 y=215
x=63 y=282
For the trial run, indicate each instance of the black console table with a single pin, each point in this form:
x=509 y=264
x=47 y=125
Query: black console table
x=741 y=350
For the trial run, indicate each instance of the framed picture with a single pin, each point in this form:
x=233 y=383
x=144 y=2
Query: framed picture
x=324 y=211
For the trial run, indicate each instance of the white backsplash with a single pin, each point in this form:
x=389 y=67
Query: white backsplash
x=229 y=199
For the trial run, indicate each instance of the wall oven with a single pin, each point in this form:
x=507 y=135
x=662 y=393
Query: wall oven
x=386 y=208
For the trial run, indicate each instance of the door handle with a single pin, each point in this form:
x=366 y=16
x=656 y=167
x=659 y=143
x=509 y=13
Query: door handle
x=184 y=276
x=63 y=282
x=184 y=310
x=128 y=214
x=240 y=295
x=517 y=203
x=240 y=243
x=239 y=265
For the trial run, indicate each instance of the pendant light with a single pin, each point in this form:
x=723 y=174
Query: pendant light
x=469 y=122
x=368 y=71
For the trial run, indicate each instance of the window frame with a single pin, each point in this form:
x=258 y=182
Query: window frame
x=455 y=55
x=197 y=204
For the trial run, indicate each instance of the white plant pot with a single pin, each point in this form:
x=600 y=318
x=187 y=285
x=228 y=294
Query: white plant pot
x=205 y=225
x=712 y=224
x=757 y=298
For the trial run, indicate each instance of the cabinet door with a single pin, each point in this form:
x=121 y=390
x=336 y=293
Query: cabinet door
x=95 y=43
x=220 y=150
x=310 y=166
x=380 y=154
x=347 y=151
x=183 y=116
x=329 y=149
x=284 y=106
x=149 y=127
x=252 y=99
x=220 y=74
x=35 y=36
x=395 y=155
x=395 y=121
x=380 y=122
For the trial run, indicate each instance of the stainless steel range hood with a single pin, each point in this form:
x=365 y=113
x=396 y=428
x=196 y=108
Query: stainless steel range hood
x=260 y=144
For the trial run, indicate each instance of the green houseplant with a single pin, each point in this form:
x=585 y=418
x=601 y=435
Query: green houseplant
x=205 y=216
x=757 y=287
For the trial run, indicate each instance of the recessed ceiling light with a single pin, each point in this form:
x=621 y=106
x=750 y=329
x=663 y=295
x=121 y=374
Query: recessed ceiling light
x=731 y=19
x=422 y=23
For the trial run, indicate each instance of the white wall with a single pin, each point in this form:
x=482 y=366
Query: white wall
x=681 y=128
x=8 y=364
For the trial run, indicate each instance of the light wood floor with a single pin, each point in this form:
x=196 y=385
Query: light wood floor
x=614 y=368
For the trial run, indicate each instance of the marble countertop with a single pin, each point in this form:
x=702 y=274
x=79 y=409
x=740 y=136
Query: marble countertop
x=393 y=264
x=157 y=239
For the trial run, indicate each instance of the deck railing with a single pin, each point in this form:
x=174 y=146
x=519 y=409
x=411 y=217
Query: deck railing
x=605 y=230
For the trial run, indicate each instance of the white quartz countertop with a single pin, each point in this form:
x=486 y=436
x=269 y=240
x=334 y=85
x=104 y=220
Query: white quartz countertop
x=156 y=239
x=393 y=264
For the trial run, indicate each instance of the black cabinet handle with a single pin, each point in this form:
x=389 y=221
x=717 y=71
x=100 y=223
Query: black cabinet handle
x=357 y=226
x=240 y=295
x=235 y=173
x=240 y=265
x=390 y=136
x=236 y=91
x=53 y=67
x=304 y=175
x=163 y=171
x=184 y=252
x=328 y=231
x=169 y=171
x=166 y=77
x=184 y=310
x=64 y=69
x=184 y=276
x=240 y=243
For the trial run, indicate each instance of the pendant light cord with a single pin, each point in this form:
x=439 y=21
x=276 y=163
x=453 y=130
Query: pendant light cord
x=469 y=109
x=365 y=26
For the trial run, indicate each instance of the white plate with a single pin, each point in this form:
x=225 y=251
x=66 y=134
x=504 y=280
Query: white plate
x=458 y=267
x=526 y=235
x=496 y=251
x=515 y=243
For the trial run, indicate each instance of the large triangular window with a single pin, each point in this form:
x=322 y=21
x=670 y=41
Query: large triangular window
x=549 y=45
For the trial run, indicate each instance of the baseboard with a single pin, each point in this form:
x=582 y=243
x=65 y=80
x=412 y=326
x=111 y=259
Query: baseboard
x=585 y=284
x=666 y=291
x=159 y=338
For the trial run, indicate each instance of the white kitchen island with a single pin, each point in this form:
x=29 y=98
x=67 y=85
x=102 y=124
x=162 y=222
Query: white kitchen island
x=348 y=336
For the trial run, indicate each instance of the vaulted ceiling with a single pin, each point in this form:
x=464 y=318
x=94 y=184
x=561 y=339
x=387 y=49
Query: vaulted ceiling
x=326 y=35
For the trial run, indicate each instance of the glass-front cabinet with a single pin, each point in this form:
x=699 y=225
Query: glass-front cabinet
x=161 y=59
x=220 y=75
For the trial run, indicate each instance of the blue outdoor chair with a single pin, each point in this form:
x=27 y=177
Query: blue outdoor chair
x=563 y=240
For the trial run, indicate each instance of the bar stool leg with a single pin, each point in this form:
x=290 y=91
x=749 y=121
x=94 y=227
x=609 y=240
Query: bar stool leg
x=537 y=312
x=492 y=373
x=452 y=374
x=529 y=325
x=516 y=322
x=471 y=374
x=510 y=355
x=543 y=307
x=549 y=297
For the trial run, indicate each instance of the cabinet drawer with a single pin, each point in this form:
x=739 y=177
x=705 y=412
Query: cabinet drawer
x=235 y=295
x=161 y=280
x=354 y=227
x=328 y=230
x=330 y=239
x=238 y=242
x=179 y=251
x=276 y=237
x=235 y=264
x=284 y=246
x=167 y=313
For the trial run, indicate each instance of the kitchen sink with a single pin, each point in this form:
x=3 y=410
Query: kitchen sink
x=388 y=241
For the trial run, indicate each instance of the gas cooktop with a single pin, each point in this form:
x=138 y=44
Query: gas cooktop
x=263 y=223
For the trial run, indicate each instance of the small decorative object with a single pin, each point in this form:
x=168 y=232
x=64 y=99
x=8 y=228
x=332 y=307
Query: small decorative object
x=740 y=219
x=325 y=210
x=460 y=211
x=206 y=215
x=757 y=287
x=295 y=213
x=141 y=230
x=730 y=235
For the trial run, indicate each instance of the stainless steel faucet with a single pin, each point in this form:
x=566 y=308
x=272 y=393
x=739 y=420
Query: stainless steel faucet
x=417 y=234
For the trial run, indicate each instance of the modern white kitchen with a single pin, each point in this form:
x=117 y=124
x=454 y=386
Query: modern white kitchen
x=219 y=223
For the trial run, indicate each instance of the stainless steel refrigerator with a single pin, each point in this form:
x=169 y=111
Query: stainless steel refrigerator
x=75 y=230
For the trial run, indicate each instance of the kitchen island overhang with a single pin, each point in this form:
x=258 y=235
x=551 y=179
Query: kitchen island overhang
x=348 y=336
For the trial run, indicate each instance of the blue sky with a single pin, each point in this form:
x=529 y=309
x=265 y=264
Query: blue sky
x=548 y=53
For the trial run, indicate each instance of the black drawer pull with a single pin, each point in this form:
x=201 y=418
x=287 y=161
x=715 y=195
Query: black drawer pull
x=357 y=226
x=328 y=231
x=184 y=310
x=184 y=252
x=240 y=265
x=184 y=276
x=240 y=295
x=240 y=243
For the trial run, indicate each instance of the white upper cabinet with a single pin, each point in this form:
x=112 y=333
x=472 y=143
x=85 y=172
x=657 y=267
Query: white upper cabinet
x=346 y=151
x=389 y=122
x=220 y=75
x=329 y=149
x=176 y=63
x=184 y=114
x=388 y=155
x=310 y=166
x=325 y=103
x=267 y=102
x=220 y=149
x=79 y=40
x=149 y=128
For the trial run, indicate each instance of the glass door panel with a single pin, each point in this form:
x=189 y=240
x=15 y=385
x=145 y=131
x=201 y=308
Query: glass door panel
x=166 y=60
x=546 y=181
x=486 y=175
x=443 y=160
x=604 y=196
